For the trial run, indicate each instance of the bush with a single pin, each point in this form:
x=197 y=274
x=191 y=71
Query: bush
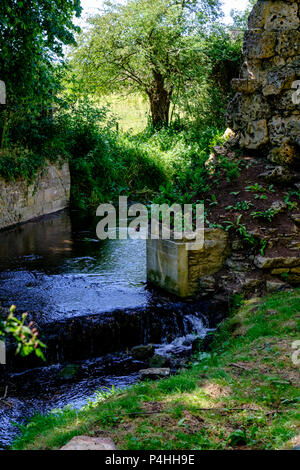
x=166 y=165
x=103 y=163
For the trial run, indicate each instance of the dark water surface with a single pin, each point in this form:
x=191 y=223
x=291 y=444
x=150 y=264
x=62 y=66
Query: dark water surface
x=90 y=301
x=58 y=266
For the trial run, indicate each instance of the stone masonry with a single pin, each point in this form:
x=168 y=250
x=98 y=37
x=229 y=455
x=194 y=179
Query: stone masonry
x=265 y=112
x=48 y=193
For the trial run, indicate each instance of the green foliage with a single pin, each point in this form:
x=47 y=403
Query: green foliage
x=258 y=188
x=290 y=195
x=268 y=214
x=205 y=98
x=102 y=395
x=165 y=50
x=241 y=230
x=236 y=407
x=32 y=34
x=237 y=438
x=240 y=206
x=103 y=163
x=26 y=336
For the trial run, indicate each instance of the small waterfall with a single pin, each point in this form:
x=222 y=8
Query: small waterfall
x=194 y=326
x=91 y=305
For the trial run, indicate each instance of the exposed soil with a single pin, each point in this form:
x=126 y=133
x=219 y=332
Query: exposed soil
x=251 y=188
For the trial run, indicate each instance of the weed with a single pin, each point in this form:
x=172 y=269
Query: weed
x=240 y=229
x=240 y=206
x=268 y=214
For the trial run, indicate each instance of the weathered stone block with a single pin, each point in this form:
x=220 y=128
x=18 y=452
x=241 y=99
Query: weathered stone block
x=263 y=262
x=286 y=154
x=294 y=279
x=278 y=271
x=245 y=85
x=51 y=194
x=288 y=44
x=89 y=443
x=268 y=95
x=251 y=70
x=257 y=17
x=171 y=266
x=277 y=80
x=154 y=373
x=245 y=109
x=256 y=135
x=259 y=45
x=270 y=15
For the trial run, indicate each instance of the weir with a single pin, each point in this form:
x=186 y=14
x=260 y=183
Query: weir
x=91 y=304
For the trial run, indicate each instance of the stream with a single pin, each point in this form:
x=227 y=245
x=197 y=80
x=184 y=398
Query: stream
x=91 y=304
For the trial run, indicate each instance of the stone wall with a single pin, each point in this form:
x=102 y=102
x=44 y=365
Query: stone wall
x=265 y=112
x=48 y=193
x=180 y=271
x=265 y=117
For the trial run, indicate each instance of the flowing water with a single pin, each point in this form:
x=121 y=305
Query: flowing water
x=91 y=304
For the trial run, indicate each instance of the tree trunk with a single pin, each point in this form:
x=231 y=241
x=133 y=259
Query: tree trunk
x=160 y=100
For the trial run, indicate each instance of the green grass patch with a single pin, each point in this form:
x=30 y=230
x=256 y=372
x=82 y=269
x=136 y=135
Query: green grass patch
x=131 y=112
x=244 y=393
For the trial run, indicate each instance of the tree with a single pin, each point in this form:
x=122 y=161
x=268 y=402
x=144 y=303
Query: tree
x=32 y=36
x=146 y=46
x=240 y=18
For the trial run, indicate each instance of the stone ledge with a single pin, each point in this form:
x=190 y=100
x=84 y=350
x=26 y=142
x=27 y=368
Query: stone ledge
x=263 y=262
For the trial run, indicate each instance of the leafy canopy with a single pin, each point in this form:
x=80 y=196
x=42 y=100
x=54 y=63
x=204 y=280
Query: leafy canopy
x=146 y=46
x=32 y=33
x=32 y=36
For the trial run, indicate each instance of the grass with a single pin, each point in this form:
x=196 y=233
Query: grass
x=244 y=393
x=132 y=111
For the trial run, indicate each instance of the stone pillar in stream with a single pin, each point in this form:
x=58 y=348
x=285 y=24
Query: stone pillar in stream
x=265 y=112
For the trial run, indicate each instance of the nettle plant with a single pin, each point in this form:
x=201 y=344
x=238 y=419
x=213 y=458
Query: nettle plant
x=25 y=335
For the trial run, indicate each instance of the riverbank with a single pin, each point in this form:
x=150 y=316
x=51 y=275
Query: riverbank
x=242 y=394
